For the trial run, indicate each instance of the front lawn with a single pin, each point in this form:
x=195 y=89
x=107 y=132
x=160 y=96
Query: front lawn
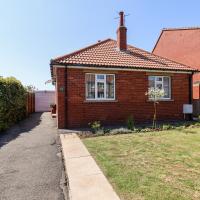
x=152 y=166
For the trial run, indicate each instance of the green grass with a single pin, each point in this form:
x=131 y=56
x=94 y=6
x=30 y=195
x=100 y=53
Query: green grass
x=152 y=166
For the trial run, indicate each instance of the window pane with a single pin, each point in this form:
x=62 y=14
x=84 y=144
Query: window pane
x=90 y=86
x=161 y=82
x=100 y=76
x=159 y=86
x=110 y=86
x=166 y=87
x=100 y=86
x=100 y=90
x=151 y=81
x=158 y=78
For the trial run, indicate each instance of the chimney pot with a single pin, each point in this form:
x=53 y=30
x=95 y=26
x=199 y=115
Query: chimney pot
x=121 y=33
x=121 y=14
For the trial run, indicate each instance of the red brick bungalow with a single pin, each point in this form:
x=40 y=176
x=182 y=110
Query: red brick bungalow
x=107 y=81
x=182 y=45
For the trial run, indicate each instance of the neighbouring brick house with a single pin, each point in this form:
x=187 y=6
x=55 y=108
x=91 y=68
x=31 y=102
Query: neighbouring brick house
x=182 y=45
x=107 y=81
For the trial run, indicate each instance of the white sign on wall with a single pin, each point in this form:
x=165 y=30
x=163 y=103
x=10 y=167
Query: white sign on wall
x=187 y=108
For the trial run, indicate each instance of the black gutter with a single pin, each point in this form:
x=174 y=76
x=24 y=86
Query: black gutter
x=191 y=93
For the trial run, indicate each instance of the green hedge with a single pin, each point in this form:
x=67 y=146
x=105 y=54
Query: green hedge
x=12 y=102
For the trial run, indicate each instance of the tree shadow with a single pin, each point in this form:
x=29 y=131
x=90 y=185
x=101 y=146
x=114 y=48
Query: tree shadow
x=23 y=126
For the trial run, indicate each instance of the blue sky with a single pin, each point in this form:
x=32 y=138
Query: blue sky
x=34 y=31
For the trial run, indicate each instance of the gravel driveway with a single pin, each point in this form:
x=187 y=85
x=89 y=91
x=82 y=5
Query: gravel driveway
x=30 y=166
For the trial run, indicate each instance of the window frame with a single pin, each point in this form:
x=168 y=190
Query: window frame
x=170 y=88
x=96 y=91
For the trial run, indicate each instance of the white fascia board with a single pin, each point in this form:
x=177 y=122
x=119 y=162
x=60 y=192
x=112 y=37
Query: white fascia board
x=120 y=69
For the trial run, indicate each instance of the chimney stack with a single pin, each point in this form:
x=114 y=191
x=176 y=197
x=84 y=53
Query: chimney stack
x=121 y=33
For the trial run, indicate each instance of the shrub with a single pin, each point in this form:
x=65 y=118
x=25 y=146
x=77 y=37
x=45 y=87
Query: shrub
x=130 y=123
x=95 y=126
x=167 y=127
x=30 y=88
x=106 y=130
x=12 y=102
x=120 y=131
x=147 y=130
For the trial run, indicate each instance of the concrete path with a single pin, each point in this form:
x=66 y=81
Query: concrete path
x=29 y=166
x=86 y=180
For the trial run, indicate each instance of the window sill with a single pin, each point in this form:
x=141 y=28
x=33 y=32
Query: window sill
x=161 y=100
x=100 y=101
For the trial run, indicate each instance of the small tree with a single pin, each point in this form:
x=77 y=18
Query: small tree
x=130 y=123
x=30 y=88
x=154 y=95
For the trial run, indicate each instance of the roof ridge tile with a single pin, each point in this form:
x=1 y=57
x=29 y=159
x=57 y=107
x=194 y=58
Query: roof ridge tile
x=181 y=28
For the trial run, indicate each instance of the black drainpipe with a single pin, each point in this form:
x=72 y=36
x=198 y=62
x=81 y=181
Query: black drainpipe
x=65 y=107
x=191 y=92
x=190 y=88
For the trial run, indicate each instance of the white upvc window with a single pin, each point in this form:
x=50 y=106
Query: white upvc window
x=161 y=82
x=100 y=86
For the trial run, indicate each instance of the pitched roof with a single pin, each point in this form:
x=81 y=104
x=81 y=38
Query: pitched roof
x=106 y=54
x=174 y=30
x=180 y=44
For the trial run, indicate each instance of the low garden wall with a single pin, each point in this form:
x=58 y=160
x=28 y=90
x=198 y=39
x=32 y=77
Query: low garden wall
x=15 y=102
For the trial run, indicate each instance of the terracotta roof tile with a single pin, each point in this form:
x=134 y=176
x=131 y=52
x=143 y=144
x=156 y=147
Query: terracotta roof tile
x=106 y=54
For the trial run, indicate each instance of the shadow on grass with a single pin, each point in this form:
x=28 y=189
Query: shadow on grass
x=23 y=126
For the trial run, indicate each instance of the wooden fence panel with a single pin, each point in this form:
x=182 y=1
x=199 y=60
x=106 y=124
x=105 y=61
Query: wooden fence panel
x=30 y=103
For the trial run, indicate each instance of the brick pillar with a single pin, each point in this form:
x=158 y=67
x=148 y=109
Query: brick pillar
x=60 y=97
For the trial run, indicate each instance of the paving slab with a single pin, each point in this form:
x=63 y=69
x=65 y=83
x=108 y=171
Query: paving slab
x=92 y=187
x=82 y=166
x=73 y=146
x=86 y=180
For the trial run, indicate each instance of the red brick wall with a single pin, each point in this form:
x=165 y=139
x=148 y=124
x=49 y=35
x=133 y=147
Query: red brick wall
x=130 y=99
x=182 y=46
x=61 y=75
x=196 y=88
x=196 y=92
